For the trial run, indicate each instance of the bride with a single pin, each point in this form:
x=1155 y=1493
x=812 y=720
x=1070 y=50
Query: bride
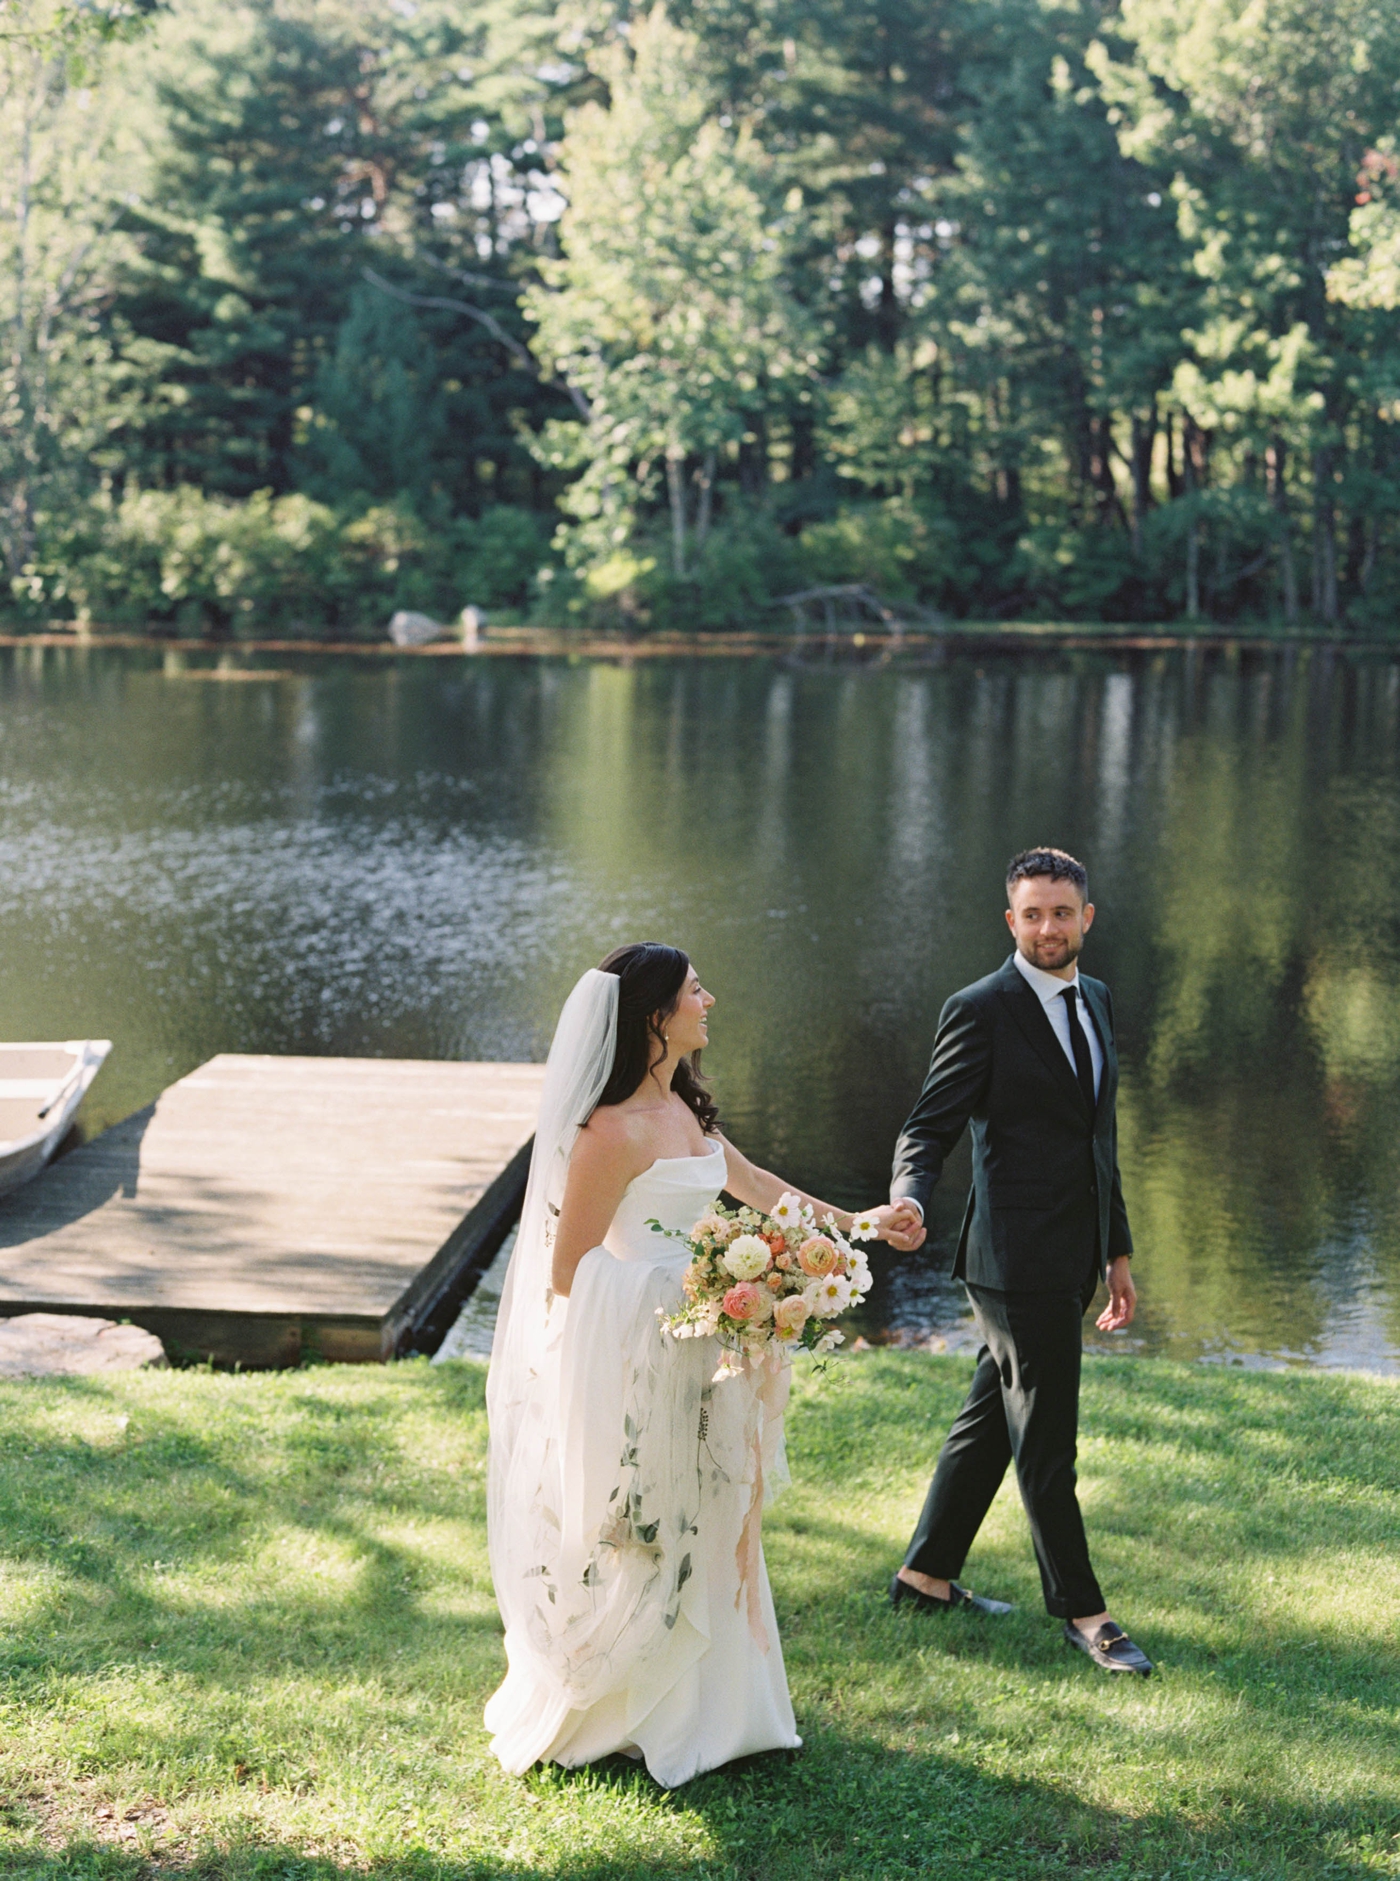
x=625 y=1487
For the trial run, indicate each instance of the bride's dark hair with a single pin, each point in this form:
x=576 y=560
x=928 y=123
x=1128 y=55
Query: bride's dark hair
x=651 y=978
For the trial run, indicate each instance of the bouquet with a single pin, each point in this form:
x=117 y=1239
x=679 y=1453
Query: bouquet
x=765 y=1285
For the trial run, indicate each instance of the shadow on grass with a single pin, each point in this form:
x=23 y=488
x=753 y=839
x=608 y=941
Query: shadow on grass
x=130 y=1536
x=1235 y=1511
x=840 y=1810
x=1206 y=1485
x=1265 y=1468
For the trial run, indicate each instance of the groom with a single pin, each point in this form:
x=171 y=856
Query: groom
x=1027 y=1057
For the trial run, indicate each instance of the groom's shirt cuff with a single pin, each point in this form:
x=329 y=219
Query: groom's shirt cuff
x=911 y=1201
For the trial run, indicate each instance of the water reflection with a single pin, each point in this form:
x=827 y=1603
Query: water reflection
x=417 y=859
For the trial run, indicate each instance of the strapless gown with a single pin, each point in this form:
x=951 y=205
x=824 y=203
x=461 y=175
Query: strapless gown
x=662 y=1477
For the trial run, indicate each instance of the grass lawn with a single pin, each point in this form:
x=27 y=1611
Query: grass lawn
x=246 y=1630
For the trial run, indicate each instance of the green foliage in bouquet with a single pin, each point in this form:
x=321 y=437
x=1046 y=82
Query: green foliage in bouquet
x=766 y=1285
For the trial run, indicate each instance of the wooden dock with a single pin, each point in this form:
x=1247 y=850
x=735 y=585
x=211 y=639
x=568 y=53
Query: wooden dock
x=264 y=1209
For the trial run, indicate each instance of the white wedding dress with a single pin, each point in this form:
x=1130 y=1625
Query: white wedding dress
x=626 y=1542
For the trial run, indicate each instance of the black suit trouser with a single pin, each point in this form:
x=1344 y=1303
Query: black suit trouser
x=1023 y=1407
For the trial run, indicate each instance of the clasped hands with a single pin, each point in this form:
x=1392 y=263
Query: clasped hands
x=901 y=1225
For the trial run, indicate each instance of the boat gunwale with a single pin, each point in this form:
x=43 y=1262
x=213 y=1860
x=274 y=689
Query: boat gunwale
x=89 y=1054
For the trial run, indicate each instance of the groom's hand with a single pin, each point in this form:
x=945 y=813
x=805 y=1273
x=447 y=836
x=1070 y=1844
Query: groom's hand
x=902 y=1226
x=1122 y=1296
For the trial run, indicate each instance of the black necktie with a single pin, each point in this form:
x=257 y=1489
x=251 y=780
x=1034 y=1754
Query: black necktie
x=1079 y=1045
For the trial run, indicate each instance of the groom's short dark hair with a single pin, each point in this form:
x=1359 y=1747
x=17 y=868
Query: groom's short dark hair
x=1058 y=864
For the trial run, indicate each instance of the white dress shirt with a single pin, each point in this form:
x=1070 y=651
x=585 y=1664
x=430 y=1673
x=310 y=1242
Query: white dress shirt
x=1050 y=992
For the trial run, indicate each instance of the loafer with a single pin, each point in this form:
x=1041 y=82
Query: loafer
x=1110 y=1648
x=962 y=1598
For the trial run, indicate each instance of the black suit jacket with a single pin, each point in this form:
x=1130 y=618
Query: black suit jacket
x=1046 y=1207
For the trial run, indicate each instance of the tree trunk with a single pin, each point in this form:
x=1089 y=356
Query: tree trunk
x=1324 y=541
x=1175 y=480
x=1215 y=589
x=675 y=489
x=705 y=477
x=887 y=318
x=1195 y=464
x=804 y=444
x=1356 y=551
x=19 y=536
x=753 y=454
x=1106 y=501
x=1276 y=464
x=1193 y=569
x=1084 y=457
x=1190 y=487
x=1144 y=441
x=1368 y=559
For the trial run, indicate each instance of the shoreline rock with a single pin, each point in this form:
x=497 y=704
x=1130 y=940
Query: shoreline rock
x=53 y=1345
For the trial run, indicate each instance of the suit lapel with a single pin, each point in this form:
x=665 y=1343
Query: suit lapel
x=1095 y=1000
x=1031 y=1016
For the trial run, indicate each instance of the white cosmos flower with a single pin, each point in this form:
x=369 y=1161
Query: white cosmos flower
x=746 y=1257
x=788 y=1210
x=828 y=1296
x=829 y=1341
x=865 y=1228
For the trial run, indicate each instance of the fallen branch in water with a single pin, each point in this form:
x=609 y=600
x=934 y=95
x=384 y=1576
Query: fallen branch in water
x=853 y=601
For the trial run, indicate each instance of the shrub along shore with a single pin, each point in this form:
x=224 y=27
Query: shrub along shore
x=1001 y=306
x=248 y=1629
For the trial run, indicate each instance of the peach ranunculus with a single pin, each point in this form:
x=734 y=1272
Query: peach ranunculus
x=792 y=1313
x=744 y=1301
x=817 y=1257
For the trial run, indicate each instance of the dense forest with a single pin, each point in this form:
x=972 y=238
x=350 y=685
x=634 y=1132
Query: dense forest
x=1011 y=308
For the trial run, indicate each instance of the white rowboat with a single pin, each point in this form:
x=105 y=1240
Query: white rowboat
x=40 y=1088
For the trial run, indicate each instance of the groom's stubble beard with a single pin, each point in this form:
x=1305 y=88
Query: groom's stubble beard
x=1054 y=954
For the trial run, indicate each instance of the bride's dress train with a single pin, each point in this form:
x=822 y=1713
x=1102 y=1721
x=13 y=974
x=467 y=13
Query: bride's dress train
x=637 y=1607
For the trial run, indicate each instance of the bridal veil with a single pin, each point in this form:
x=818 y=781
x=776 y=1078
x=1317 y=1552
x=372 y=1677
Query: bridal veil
x=522 y=1388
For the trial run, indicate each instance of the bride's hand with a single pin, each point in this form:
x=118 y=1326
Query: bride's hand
x=901 y=1225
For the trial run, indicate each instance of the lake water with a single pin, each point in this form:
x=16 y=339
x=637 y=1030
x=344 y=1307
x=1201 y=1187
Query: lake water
x=417 y=857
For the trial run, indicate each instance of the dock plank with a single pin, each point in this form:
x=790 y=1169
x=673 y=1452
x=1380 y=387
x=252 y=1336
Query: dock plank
x=267 y=1206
